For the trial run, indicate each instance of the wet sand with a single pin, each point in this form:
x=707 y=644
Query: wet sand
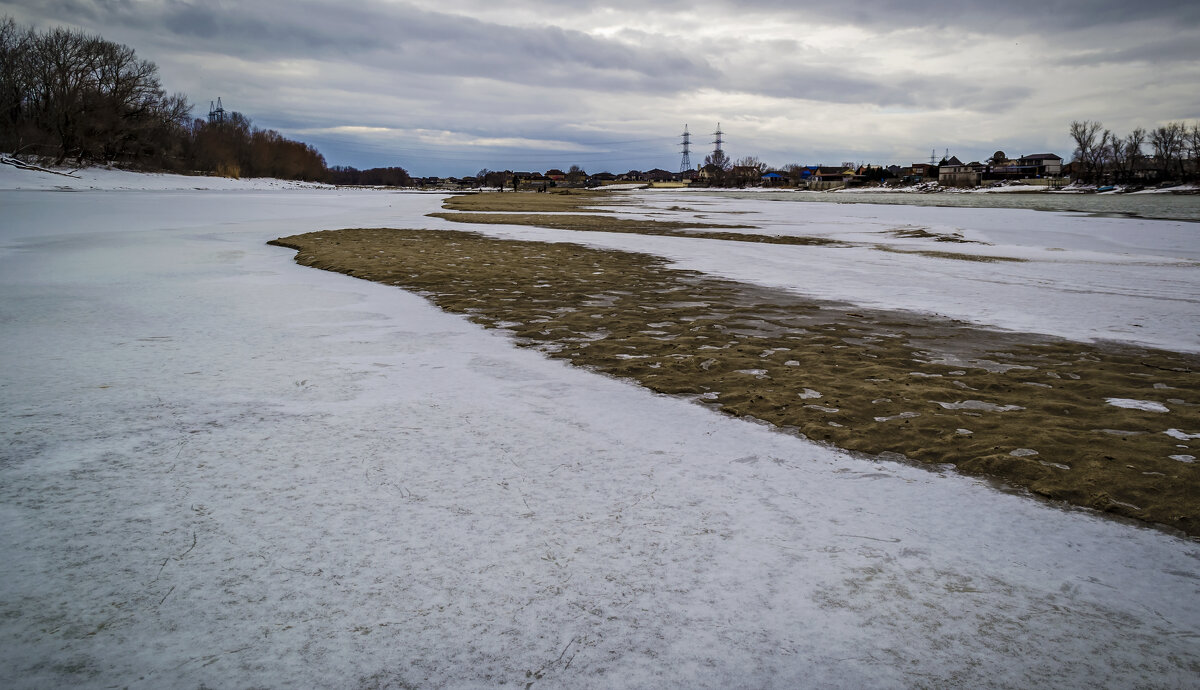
x=1026 y=409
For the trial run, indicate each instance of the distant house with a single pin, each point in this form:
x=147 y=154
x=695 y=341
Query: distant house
x=1041 y=165
x=709 y=172
x=633 y=176
x=774 y=178
x=872 y=173
x=556 y=175
x=955 y=173
x=603 y=177
x=850 y=176
x=920 y=172
x=660 y=175
x=1004 y=169
x=1032 y=166
x=828 y=174
x=828 y=177
x=531 y=179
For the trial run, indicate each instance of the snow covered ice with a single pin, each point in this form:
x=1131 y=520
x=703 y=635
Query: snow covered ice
x=222 y=468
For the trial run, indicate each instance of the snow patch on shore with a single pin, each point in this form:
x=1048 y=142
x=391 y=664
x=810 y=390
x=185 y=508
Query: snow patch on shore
x=1130 y=404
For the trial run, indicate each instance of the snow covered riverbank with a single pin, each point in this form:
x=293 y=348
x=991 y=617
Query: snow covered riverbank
x=115 y=179
x=222 y=468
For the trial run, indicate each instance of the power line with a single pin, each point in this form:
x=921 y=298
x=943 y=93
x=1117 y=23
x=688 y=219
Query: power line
x=685 y=163
x=216 y=112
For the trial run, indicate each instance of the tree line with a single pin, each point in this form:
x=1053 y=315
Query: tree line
x=66 y=95
x=1103 y=156
x=374 y=177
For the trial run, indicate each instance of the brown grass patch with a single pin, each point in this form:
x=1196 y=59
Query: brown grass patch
x=958 y=256
x=599 y=223
x=558 y=201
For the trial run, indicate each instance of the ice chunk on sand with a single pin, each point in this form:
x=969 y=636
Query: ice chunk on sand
x=902 y=415
x=977 y=405
x=1128 y=403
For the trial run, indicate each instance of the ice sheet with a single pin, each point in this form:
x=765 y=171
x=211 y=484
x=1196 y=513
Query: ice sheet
x=221 y=468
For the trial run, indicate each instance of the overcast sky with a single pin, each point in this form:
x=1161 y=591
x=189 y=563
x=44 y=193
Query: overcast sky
x=448 y=87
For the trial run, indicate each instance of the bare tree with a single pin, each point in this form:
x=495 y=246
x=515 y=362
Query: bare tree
x=719 y=160
x=716 y=168
x=60 y=64
x=752 y=162
x=494 y=178
x=1168 y=143
x=70 y=94
x=1107 y=153
x=1194 y=147
x=748 y=170
x=14 y=82
x=79 y=95
x=795 y=172
x=122 y=97
x=1130 y=153
x=1085 y=135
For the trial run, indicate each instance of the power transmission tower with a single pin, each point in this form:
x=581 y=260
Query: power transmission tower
x=216 y=112
x=718 y=154
x=933 y=156
x=685 y=164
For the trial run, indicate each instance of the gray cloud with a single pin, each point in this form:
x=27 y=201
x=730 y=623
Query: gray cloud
x=624 y=70
x=1184 y=48
x=849 y=87
x=983 y=16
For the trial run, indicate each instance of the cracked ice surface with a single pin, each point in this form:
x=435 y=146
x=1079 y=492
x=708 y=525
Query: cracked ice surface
x=222 y=468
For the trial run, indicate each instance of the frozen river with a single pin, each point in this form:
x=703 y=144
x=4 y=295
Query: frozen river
x=1145 y=204
x=221 y=468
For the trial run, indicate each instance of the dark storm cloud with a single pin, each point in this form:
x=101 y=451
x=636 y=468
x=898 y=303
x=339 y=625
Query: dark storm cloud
x=402 y=37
